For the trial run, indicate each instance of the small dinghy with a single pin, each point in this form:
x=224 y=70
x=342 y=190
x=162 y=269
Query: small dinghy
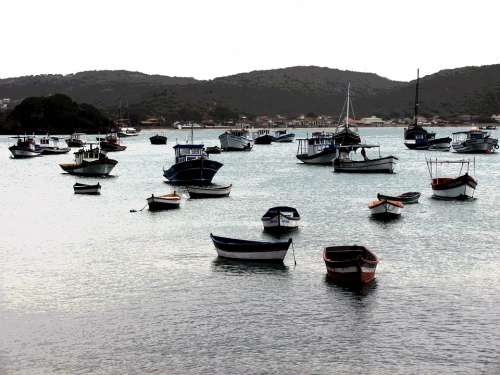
x=210 y=191
x=281 y=219
x=350 y=264
x=385 y=209
x=405 y=198
x=213 y=150
x=164 y=202
x=250 y=250
x=87 y=189
x=158 y=139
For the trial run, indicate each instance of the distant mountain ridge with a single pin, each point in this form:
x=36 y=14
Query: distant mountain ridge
x=288 y=91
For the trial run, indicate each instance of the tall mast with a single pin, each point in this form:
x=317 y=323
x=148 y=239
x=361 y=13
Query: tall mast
x=192 y=134
x=417 y=104
x=348 y=99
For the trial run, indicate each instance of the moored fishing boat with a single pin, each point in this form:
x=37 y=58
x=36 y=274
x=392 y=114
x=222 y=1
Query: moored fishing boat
x=344 y=162
x=213 y=150
x=316 y=150
x=50 y=146
x=385 y=209
x=281 y=219
x=25 y=147
x=250 y=250
x=439 y=144
x=406 y=198
x=236 y=140
x=461 y=187
x=90 y=162
x=474 y=141
x=344 y=134
x=164 y=202
x=282 y=136
x=210 y=191
x=158 y=139
x=127 y=131
x=87 y=189
x=263 y=137
x=350 y=264
x=111 y=143
x=76 y=140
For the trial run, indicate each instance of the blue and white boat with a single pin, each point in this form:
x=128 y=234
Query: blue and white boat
x=192 y=166
x=283 y=136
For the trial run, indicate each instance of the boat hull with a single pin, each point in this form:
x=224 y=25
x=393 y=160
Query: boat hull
x=75 y=143
x=200 y=192
x=23 y=153
x=280 y=224
x=87 y=189
x=324 y=157
x=406 y=198
x=92 y=169
x=473 y=146
x=355 y=271
x=250 y=250
x=380 y=165
x=111 y=146
x=264 y=140
x=285 y=138
x=460 y=188
x=55 y=150
x=230 y=142
x=158 y=140
x=198 y=172
x=161 y=204
x=440 y=144
x=385 y=210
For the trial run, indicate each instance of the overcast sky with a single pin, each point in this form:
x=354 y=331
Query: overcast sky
x=210 y=38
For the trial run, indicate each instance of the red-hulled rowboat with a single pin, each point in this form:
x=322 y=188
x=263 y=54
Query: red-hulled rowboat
x=350 y=264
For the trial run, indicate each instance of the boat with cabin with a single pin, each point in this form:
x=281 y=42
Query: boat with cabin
x=281 y=219
x=111 y=143
x=127 y=131
x=316 y=150
x=25 y=147
x=345 y=134
x=90 y=162
x=345 y=161
x=350 y=264
x=261 y=251
x=236 y=140
x=76 y=140
x=80 y=188
x=416 y=137
x=282 y=136
x=164 y=202
x=210 y=191
x=50 y=146
x=461 y=187
x=263 y=137
x=385 y=209
x=474 y=141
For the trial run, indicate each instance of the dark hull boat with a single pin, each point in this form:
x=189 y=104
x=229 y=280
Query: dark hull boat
x=281 y=219
x=212 y=191
x=346 y=137
x=350 y=264
x=76 y=140
x=87 y=189
x=158 y=140
x=164 y=202
x=265 y=139
x=111 y=144
x=197 y=171
x=90 y=162
x=213 y=150
x=417 y=138
x=406 y=198
x=250 y=250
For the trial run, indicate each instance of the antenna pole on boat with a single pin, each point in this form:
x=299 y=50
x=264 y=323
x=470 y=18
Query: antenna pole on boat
x=192 y=134
x=417 y=104
x=293 y=252
x=348 y=99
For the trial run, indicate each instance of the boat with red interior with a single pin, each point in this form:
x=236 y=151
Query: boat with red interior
x=461 y=187
x=350 y=264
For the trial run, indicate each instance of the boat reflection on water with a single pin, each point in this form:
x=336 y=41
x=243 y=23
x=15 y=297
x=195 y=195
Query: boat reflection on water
x=239 y=268
x=349 y=290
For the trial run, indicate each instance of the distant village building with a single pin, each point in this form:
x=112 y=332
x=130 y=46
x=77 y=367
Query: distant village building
x=4 y=104
x=495 y=118
x=372 y=120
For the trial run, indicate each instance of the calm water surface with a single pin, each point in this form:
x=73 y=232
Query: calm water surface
x=88 y=287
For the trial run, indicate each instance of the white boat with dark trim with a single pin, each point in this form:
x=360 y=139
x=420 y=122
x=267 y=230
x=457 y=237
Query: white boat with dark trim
x=345 y=161
x=25 y=147
x=210 y=191
x=282 y=136
x=461 y=187
x=316 y=150
x=385 y=209
x=236 y=140
x=50 y=146
x=281 y=219
x=233 y=248
x=80 y=188
x=164 y=202
x=474 y=141
x=90 y=162
x=127 y=132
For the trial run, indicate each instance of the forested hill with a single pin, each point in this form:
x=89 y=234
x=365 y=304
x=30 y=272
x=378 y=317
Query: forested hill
x=287 y=91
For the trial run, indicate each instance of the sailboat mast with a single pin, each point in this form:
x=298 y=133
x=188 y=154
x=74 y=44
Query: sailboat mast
x=348 y=99
x=192 y=134
x=417 y=104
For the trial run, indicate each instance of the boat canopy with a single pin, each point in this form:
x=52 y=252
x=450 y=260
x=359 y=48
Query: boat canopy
x=188 y=146
x=355 y=147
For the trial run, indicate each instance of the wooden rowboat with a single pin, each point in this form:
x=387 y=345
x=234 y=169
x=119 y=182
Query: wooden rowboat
x=350 y=264
x=210 y=191
x=250 y=250
x=406 y=198
x=281 y=219
x=87 y=189
x=164 y=202
x=385 y=209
